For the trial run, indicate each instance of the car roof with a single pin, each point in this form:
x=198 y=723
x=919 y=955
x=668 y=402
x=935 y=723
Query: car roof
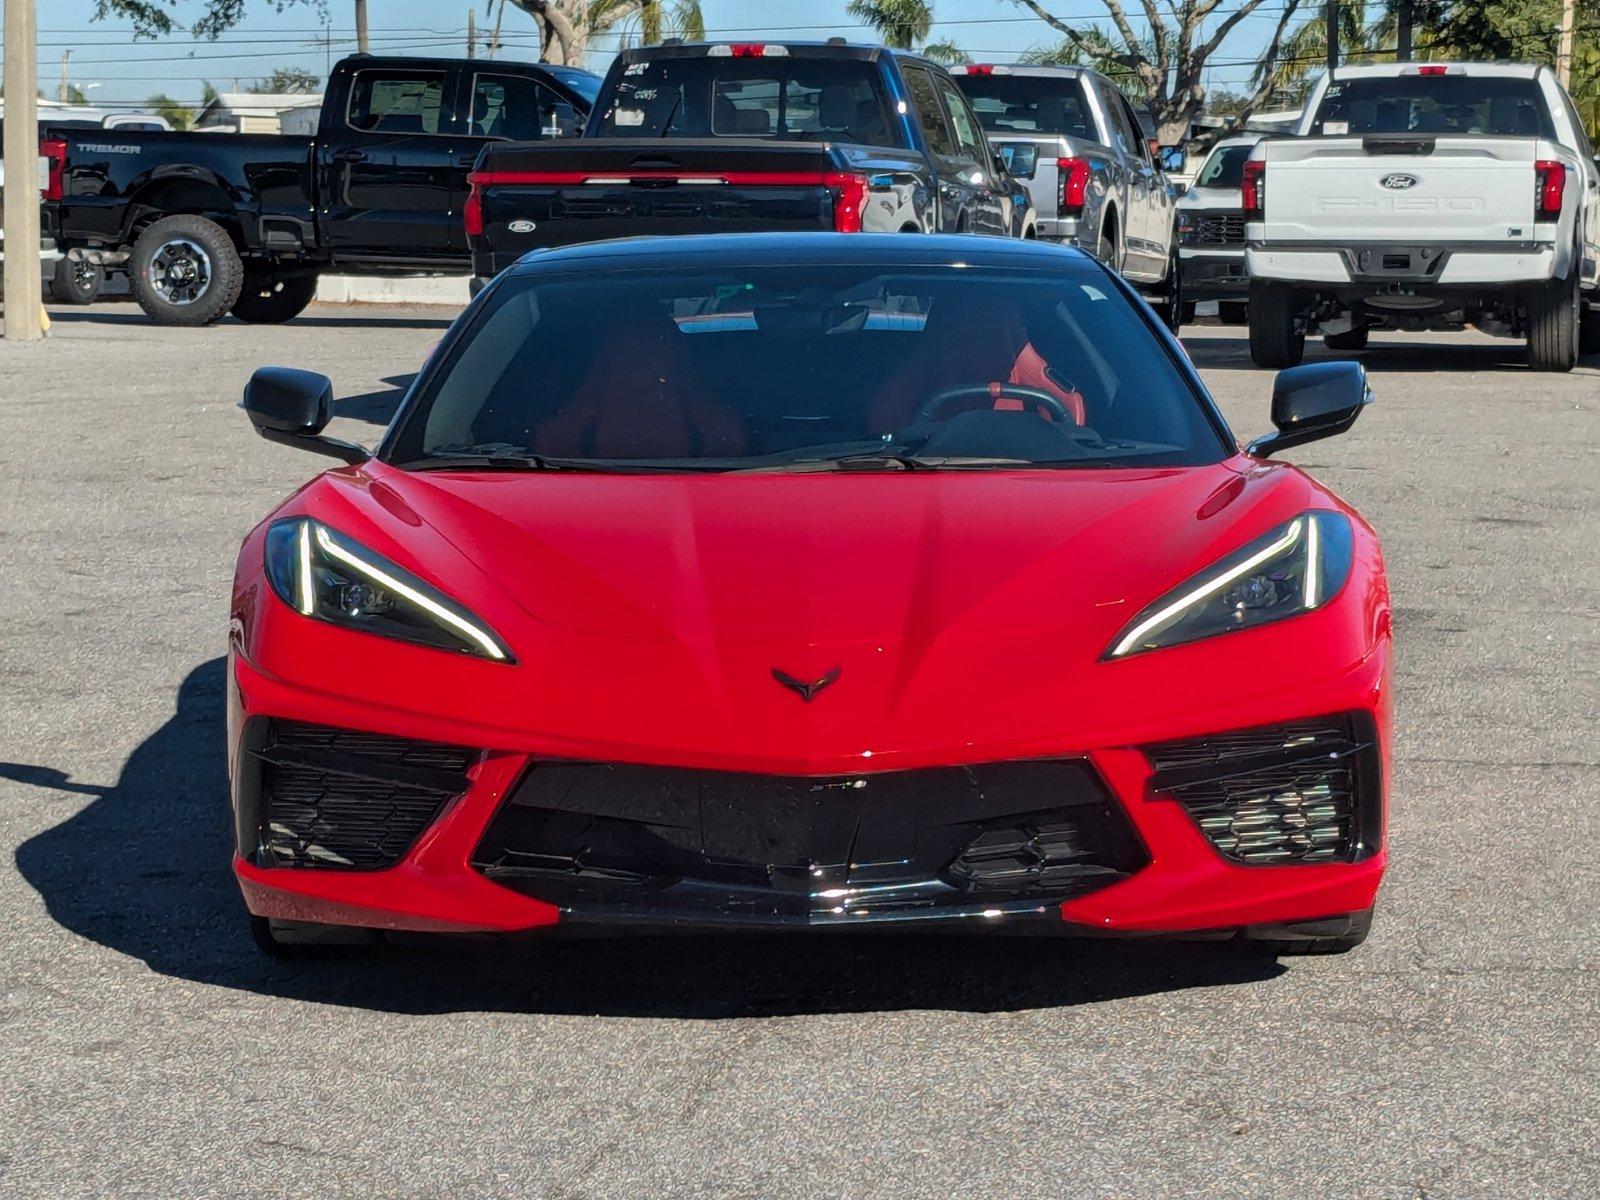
x=738 y=250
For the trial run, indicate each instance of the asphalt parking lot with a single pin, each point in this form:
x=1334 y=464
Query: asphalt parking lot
x=150 y=1050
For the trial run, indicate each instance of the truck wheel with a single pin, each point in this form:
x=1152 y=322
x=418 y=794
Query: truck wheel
x=271 y=299
x=76 y=282
x=1188 y=312
x=185 y=271
x=1107 y=251
x=1275 y=341
x=1233 y=312
x=1553 y=314
x=1170 y=299
x=1350 y=339
x=1589 y=329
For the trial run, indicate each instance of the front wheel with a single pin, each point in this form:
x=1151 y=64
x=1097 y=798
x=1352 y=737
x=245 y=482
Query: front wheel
x=185 y=270
x=1350 y=339
x=1589 y=328
x=1276 y=339
x=1170 y=301
x=1234 y=312
x=76 y=282
x=270 y=299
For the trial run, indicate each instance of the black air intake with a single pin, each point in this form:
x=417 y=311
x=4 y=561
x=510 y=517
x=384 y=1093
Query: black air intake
x=1304 y=792
x=342 y=799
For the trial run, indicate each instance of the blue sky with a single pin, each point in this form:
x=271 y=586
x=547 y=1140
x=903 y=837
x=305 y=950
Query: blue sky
x=125 y=72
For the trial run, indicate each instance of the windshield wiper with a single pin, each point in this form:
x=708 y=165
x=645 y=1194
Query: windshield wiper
x=521 y=461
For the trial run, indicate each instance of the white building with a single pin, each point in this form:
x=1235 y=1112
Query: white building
x=253 y=112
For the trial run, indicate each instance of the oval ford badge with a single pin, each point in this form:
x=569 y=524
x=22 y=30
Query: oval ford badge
x=522 y=227
x=1398 y=182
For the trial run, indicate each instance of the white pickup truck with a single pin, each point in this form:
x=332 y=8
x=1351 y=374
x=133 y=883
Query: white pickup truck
x=1427 y=196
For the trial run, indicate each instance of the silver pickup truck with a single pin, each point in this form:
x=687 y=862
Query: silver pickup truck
x=1077 y=143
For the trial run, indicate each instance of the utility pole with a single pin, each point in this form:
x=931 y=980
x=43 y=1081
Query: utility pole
x=1330 y=16
x=1402 y=51
x=21 y=214
x=62 y=93
x=361 y=26
x=494 y=40
x=1569 y=15
x=472 y=33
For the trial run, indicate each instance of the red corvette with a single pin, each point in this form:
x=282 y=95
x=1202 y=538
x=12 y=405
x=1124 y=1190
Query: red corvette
x=811 y=580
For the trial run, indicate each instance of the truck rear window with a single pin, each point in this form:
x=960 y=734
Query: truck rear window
x=1030 y=104
x=784 y=98
x=1437 y=104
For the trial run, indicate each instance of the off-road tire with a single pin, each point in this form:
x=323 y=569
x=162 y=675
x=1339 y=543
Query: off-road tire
x=76 y=282
x=225 y=271
x=271 y=299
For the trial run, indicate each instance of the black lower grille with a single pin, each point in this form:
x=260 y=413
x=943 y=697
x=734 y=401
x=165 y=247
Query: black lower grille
x=1215 y=229
x=604 y=839
x=1303 y=792
x=343 y=799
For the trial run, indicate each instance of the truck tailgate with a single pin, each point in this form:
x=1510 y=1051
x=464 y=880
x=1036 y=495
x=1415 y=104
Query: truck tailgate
x=1399 y=188
x=589 y=189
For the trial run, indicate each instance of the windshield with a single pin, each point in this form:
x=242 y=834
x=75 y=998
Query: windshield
x=1030 y=104
x=800 y=367
x=1447 y=104
x=1225 y=167
x=786 y=98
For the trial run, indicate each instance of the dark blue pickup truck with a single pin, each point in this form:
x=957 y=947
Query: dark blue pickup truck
x=723 y=138
x=210 y=223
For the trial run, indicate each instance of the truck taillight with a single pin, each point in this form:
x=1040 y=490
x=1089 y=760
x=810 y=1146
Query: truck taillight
x=472 y=212
x=54 y=152
x=1073 y=179
x=849 y=200
x=1253 y=190
x=1549 y=189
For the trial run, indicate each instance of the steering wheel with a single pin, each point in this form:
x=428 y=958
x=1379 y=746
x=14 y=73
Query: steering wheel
x=939 y=401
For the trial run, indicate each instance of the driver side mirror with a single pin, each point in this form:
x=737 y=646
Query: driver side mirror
x=1313 y=401
x=1173 y=158
x=294 y=407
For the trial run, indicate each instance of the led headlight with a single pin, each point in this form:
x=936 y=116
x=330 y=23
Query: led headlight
x=325 y=575
x=1294 y=569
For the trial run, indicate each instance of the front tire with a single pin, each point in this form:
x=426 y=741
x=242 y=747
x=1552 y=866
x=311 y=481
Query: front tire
x=268 y=298
x=1350 y=339
x=1276 y=339
x=76 y=282
x=1170 y=303
x=1553 y=315
x=1234 y=312
x=185 y=270
x=1589 y=329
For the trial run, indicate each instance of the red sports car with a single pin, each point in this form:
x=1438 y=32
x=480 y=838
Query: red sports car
x=808 y=580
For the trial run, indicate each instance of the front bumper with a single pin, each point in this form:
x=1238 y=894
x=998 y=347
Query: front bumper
x=1165 y=877
x=1210 y=273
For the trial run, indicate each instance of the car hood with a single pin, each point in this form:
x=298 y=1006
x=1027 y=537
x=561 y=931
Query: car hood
x=669 y=601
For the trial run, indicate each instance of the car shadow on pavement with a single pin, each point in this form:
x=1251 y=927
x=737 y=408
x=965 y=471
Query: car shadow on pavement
x=143 y=870
x=377 y=407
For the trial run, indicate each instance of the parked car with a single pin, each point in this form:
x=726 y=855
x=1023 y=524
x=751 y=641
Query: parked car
x=208 y=224
x=1211 y=232
x=1073 y=136
x=809 y=580
x=706 y=138
x=1425 y=196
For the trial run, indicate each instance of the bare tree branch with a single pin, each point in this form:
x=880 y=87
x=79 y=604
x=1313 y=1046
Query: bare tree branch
x=1208 y=47
x=1264 y=92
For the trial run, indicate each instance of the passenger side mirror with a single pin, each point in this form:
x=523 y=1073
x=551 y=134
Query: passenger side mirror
x=1173 y=158
x=294 y=407
x=1313 y=401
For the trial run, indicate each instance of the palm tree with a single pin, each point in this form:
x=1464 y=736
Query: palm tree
x=902 y=24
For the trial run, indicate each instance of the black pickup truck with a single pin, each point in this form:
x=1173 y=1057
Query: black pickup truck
x=705 y=138
x=209 y=223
